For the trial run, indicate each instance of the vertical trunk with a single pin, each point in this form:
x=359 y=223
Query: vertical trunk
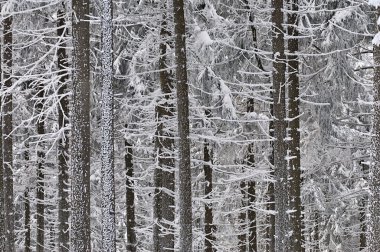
x=63 y=142
x=295 y=220
x=27 y=228
x=130 y=198
x=107 y=148
x=164 y=174
x=315 y=237
x=374 y=208
x=209 y=226
x=185 y=197
x=280 y=164
x=362 y=209
x=7 y=137
x=80 y=180
x=27 y=247
x=40 y=172
x=2 y=232
x=252 y=232
x=242 y=237
x=271 y=219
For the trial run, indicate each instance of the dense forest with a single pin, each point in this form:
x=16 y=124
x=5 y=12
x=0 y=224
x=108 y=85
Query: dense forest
x=190 y=125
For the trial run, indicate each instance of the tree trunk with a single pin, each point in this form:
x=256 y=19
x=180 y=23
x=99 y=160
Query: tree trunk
x=130 y=198
x=280 y=164
x=295 y=218
x=363 y=213
x=40 y=171
x=2 y=220
x=209 y=222
x=374 y=208
x=164 y=204
x=63 y=142
x=242 y=237
x=27 y=228
x=80 y=180
x=271 y=218
x=107 y=118
x=185 y=197
x=7 y=137
x=252 y=230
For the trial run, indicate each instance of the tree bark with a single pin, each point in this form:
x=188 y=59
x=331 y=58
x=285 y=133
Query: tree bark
x=295 y=180
x=374 y=208
x=63 y=142
x=164 y=204
x=207 y=169
x=362 y=208
x=130 y=198
x=40 y=94
x=252 y=230
x=27 y=227
x=2 y=220
x=107 y=118
x=280 y=164
x=80 y=180
x=7 y=136
x=184 y=190
x=242 y=237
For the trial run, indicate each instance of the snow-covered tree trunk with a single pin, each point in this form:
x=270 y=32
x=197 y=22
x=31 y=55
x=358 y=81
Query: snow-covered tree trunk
x=107 y=118
x=2 y=233
x=63 y=143
x=251 y=190
x=184 y=189
x=80 y=120
x=363 y=213
x=7 y=135
x=40 y=125
x=279 y=113
x=374 y=208
x=27 y=226
x=130 y=199
x=295 y=220
x=164 y=205
x=209 y=218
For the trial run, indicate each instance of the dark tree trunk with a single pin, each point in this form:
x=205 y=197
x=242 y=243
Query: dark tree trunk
x=40 y=171
x=242 y=237
x=252 y=230
x=184 y=190
x=207 y=169
x=2 y=220
x=363 y=213
x=130 y=198
x=295 y=180
x=80 y=151
x=7 y=137
x=279 y=113
x=63 y=142
x=164 y=205
x=315 y=237
x=27 y=227
x=271 y=219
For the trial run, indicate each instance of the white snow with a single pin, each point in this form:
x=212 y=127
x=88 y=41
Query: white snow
x=376 y=39
x=375 y=3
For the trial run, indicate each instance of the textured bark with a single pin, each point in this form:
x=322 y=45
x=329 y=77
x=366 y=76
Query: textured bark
x=295 y=180
x=27 y=226
x=374 y=208
x=107 y=146
x=209 y=221
x=40 y=172
x=271 y=218
x=130 y=198
x=315 y=237
x=251 y=214
x=164 y=205
x=280 y=164
x=184 y=190
x=7 y=137
x=242 y=237
x=63 y=142
x=363 y=213
x=80 y=152
x=2 y=233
